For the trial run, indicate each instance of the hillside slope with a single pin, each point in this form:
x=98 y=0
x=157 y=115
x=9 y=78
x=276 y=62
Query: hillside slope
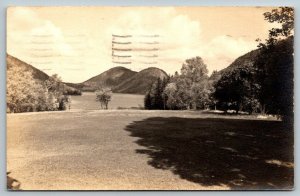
x=37 y=74
x=109 y=78
x=245 y=60
x=248 y=59
x=140 y=82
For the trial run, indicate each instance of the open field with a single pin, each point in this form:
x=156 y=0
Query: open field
x=138 y=149
x=88 y=101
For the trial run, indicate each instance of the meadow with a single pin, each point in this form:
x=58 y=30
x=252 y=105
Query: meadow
x=148 y=150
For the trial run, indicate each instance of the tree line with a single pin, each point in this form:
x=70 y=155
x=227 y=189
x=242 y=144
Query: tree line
x=27 y=94
x=191 y=89
x=264 y=87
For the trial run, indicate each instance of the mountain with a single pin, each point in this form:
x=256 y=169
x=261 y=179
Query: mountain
x=109 y=78
x=245 y=60
x=248 y=59
x=37 y=74
x=119 y=79
x=122 y=80
x=140 y=82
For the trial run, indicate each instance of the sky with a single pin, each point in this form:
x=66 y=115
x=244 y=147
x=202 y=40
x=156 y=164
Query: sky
x=78 y=43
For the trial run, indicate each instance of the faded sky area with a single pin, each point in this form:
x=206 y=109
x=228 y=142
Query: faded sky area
x=76 y=42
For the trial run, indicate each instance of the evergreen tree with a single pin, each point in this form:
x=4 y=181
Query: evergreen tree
x=147 y=101
x=158 y=99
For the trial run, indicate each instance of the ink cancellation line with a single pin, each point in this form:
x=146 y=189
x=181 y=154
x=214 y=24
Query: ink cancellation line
x=135 y=49
x=114 y=42
x=122 y=56
x=148 y=56
x=121 y=36
x=145 y=49
x=126 y=36
x=117 y=62
x=148 y=43
x=120 y=49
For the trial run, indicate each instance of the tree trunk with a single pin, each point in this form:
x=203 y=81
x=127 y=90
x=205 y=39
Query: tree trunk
x=237 y=109
x=262 y=109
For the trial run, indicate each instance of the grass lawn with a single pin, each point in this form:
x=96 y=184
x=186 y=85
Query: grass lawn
x=138 y=149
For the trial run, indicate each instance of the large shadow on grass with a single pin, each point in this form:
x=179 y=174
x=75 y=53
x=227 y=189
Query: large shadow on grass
x=242 y=154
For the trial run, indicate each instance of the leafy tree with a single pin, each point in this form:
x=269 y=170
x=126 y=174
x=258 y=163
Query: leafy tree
x=183 y=93
x=103 y=95
x=237 y=90
x=193 y=73
x=71 y=91
x=194 y=69
x=55 y=87
x=214 y=72
x=54 y=84
x=275 y=74
x=190 y=89
x=283 y=16
x=188 y=85
x=275 y=64
x=24 y=94
x=165 y=82
x=27 y=94
x=176 y=74
x=201 y=92
x=173 y=100
x=64 y=102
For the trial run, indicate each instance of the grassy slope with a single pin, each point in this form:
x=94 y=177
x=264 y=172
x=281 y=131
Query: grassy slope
x=147 y=150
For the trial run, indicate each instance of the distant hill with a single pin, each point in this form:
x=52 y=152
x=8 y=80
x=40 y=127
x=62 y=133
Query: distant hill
x=119 y=79
x=37 y=74
x=245 y=60
x=109 y=78
x=122 y=80
x=140 y=82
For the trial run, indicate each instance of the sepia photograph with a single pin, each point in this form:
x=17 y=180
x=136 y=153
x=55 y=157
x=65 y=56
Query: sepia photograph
x=149 y=98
